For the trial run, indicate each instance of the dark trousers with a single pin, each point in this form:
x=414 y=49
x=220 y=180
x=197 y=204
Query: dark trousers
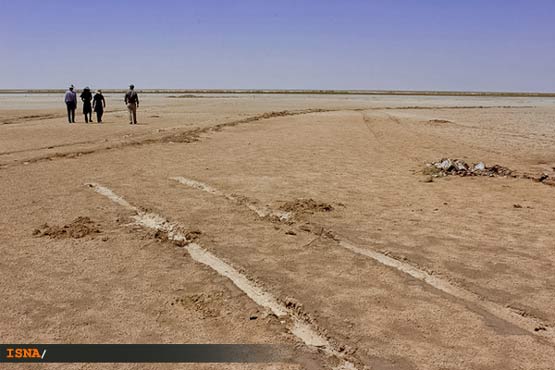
x=71 y=112
x=99 y=114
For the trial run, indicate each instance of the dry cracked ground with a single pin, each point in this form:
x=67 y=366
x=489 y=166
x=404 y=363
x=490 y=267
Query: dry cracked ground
x=337 y=243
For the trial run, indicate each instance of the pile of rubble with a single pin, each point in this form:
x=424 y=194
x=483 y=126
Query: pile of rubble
x=459 y=167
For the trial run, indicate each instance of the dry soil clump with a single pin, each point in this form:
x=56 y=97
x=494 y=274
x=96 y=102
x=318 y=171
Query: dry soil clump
x=78 y=228
x=299 y=206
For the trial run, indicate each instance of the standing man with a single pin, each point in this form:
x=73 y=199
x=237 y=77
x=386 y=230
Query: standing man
x=70 y=99
x=86 y=98
x=132 y=102
x=99 y=103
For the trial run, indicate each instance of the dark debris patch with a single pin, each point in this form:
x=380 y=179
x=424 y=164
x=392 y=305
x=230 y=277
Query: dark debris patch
x=458 y=167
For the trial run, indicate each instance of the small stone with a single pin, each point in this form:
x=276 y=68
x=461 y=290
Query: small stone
x=290 y=232
x=480 y=166
x=461 y=165
x=445 y=164
x=517 y=206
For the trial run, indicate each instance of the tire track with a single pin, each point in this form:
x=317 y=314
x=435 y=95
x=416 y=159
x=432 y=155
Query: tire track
x=187 y=136
x=178 y=136
x=296 y=325
x=41 y=117
x=530 y=325
x=261 y=211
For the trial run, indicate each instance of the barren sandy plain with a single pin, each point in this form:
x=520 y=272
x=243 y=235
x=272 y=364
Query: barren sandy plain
x=287 y=219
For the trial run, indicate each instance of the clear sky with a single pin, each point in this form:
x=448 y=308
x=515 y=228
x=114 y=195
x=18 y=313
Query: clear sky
x=486 y=45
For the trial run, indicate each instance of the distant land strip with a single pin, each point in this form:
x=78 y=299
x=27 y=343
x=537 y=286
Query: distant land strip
x=300 y=92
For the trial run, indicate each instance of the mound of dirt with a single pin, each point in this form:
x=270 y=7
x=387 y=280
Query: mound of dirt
x=78 y=228
x=305 y=206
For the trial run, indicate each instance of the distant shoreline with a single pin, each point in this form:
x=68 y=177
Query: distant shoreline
x=299 y=92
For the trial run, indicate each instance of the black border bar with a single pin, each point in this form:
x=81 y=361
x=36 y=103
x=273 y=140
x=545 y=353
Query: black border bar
x=146 y=353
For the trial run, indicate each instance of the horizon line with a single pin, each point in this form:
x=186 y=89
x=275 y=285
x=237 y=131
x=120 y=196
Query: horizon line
x=301 y=92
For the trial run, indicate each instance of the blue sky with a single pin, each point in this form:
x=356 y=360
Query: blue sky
x=487 y=45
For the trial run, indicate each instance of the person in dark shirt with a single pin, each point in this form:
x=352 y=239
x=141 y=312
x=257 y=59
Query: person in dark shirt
x=86 y=98
x=98 y=105
x=132 y=102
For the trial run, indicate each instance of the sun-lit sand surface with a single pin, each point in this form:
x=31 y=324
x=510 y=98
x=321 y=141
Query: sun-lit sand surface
x=392 y=269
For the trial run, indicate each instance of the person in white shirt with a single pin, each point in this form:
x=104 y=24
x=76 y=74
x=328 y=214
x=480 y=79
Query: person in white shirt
x=70 y=99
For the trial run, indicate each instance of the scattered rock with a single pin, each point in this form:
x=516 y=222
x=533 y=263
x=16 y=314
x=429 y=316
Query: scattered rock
x=480 y=166
x=78 y=228
x=542 y=177
x=459 y=167
x=290 y=232
x=517 y=206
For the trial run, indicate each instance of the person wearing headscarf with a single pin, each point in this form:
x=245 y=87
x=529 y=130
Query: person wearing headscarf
x=86 y=98
x=70 y=98
x=99 y=103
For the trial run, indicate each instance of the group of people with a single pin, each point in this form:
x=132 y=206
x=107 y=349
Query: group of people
x=97 y=103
